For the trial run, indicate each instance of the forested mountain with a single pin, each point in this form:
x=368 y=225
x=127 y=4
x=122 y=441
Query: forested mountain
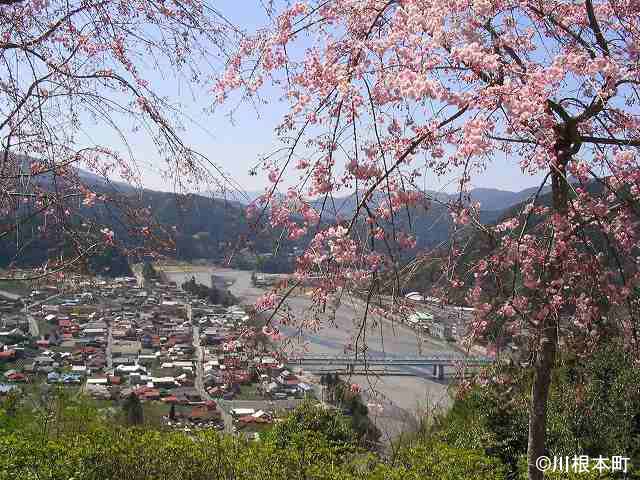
x=197 y=226
x=477 y=245
x=184 y=226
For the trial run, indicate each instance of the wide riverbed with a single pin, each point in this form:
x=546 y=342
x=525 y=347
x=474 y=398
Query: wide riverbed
x=400 y=396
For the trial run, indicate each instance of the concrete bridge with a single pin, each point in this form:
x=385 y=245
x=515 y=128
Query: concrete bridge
x=409 y=365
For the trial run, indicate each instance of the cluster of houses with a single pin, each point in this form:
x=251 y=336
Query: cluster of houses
x=229 y=363
x=448 y=322
x=245 y=418
x=431 y=317
x=265 y=280
x=14 y=329
x=202 y=415
x=113 y=338
x=426 y=322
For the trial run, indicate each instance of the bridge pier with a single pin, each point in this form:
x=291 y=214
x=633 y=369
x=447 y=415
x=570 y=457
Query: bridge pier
x=438 y=372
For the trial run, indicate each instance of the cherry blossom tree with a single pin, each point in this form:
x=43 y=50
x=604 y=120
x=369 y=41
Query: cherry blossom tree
x=72 y=71
x=382 y=92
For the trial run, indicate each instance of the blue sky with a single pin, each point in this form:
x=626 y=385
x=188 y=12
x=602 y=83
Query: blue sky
x=237 y=146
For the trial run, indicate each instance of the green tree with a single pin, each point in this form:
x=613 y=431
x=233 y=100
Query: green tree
x=133 y=410
x=594 y=409
x=148 y=272
x=309 y=416
x=438 y=461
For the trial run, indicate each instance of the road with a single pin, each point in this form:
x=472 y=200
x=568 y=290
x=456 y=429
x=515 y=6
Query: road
x=9 y=295
x=109 y=349
x=199 y=354
x=34 y=328
x=199 y=380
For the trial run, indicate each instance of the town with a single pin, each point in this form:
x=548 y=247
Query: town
x=191 y=363
x=174 y=338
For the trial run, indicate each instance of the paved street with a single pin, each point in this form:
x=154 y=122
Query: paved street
x=199 y=355
x=34 y=328
x=9 y=295
x=109 y=349
x=199 y=381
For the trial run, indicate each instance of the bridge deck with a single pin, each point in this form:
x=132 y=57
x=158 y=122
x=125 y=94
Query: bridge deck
x=436 y=359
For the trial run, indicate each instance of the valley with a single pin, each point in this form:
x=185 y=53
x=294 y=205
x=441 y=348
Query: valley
x=398 y=399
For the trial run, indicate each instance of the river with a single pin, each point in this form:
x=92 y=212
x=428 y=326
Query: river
x=401 y=397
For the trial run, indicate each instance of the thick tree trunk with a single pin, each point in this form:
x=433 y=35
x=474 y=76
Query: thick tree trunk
x=539 y=397
x=546 y=353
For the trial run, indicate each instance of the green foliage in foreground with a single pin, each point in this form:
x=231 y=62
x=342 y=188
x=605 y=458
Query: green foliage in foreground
x=312 y=444
x=594 y=410
x=438 y=460
x=311 y=418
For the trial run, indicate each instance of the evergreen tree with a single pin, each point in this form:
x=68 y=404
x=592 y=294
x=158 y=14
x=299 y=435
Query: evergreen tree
x=148 y=272
x=133 y=410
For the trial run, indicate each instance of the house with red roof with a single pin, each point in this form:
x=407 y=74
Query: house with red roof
x=7 y=355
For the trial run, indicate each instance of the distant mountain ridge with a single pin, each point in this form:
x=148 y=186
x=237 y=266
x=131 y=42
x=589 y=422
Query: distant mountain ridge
x=23 y=164
x=489 y=198
x=494 y=199
x=210 y=226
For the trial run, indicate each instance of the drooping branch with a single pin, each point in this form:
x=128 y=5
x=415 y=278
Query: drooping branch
x=563 y=27
x=415 y=144
x=621 y=142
